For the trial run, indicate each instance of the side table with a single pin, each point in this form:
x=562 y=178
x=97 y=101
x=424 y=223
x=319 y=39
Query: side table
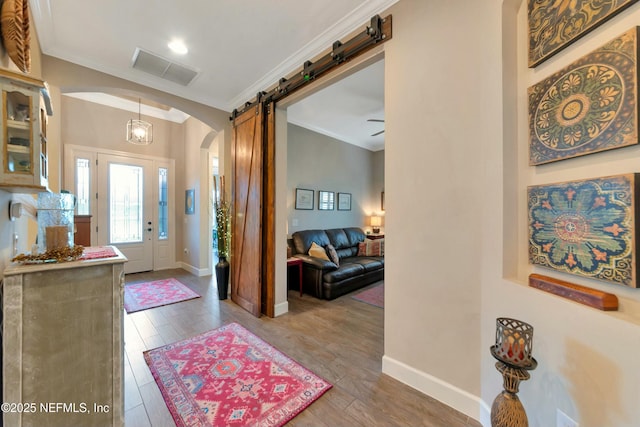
x=375 y=236
x=293 y=262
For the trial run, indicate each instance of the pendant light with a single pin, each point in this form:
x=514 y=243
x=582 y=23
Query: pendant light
x=139 y=132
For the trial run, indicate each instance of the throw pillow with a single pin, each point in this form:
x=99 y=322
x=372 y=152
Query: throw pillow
x=333 y=254
x=318 y=251
x=371 y=247
x=362 y=249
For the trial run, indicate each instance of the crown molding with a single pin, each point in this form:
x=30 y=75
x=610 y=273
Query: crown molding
x=359 y=17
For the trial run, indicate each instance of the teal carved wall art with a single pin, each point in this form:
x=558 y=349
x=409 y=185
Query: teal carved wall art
x=587 y=107
x=586 y=227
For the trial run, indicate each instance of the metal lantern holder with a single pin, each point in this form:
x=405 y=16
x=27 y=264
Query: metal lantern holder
x=514 y=342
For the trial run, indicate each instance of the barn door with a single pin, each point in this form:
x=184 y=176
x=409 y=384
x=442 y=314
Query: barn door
x=246 y=232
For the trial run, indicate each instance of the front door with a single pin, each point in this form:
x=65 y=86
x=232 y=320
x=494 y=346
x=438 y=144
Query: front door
x=125 y=200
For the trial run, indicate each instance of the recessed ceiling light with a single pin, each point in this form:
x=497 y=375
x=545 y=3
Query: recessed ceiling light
x=178 y=46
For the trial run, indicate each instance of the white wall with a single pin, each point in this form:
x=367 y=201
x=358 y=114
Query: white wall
x=90 y=124
x=318 y=162
x=455 y=175
x=442 y=109
x=586 y=367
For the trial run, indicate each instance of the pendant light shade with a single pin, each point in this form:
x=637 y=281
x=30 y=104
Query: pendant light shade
x=139 y=132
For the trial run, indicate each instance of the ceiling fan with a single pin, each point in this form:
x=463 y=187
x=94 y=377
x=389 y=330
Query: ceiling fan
x=379 y=121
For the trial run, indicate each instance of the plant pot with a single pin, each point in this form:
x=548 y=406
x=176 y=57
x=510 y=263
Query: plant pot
x=222 y=278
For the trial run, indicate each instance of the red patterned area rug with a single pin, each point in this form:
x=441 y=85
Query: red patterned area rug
x=230 y=377
x=373 y=296
x=141 y=296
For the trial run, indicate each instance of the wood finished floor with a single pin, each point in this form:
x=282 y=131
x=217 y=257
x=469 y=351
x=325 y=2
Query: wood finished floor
x=340 y=340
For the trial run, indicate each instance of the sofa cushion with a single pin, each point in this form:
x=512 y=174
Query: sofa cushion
x=355 y=235
x=318 y=251
x=368 y=263
x=345 y=271
x=340 y=241
x=338 y=238
x=302 y=240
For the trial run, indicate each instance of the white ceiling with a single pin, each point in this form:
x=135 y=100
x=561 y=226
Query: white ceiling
x=238 y=47
x=341 y=110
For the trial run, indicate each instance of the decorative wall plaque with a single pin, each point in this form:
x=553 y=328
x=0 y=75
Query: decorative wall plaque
x=587 y=107
x=555 y=24
x=586 y=227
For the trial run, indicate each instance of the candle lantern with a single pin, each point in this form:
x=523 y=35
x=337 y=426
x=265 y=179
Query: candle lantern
x=513 y=347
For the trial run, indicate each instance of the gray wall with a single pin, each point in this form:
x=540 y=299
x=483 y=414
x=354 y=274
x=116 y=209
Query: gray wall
x=318 y=162
x=378 y=180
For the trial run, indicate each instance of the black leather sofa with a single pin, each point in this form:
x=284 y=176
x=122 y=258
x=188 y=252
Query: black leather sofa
x=324 y=279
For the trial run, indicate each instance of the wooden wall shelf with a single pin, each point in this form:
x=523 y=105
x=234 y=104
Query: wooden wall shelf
x=581 y=294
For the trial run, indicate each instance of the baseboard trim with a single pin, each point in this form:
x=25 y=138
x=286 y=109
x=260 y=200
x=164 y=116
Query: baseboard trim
x=194 y=270
x=485 y=414
x=281 y=309
x=446 y=393
x=168 y=267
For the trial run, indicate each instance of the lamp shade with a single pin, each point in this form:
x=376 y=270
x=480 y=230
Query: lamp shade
x=376 y=222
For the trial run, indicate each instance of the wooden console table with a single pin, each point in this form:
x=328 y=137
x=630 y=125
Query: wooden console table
x=62 y=336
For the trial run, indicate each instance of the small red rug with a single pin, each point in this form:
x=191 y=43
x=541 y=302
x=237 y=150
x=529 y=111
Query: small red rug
x=230 y=377
x=373 y=296
x=141 y=296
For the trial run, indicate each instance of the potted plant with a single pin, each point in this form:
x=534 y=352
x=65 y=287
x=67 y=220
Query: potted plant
x=222 y=211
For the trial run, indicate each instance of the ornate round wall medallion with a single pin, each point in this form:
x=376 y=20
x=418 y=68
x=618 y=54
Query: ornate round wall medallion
x=587 y=107
x=584 y=227
x=579 y=107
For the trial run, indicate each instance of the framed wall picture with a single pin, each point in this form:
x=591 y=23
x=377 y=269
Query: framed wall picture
x=190 y=201
x=587 y=227
x=326 y=200
x=587 y=107
x=344 y=201
x=304 y=199
x=553 y=24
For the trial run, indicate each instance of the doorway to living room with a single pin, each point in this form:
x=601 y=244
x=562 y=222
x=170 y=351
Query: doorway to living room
x=335 y=153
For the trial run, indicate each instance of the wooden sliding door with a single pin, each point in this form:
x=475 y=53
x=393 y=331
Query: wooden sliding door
x=246 y=234
x=269 y=213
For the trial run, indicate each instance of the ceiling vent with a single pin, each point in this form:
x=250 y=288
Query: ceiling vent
x=162 y=67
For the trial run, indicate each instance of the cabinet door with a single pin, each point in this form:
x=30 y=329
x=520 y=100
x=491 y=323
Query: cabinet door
x=21 y=161
x=18 y=106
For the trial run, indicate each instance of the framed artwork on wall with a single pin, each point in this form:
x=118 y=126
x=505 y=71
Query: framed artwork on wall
x=586 y=228
x=189 y=201
x=304 y=199
x=554 y=25
x=326 y=200
x=587 y=107
x=344 y=201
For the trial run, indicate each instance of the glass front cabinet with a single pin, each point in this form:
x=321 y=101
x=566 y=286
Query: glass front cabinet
x=23 y=133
